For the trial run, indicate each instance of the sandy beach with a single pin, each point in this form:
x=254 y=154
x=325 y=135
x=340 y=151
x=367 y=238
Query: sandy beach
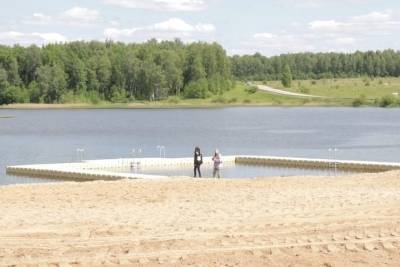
x=293 y=221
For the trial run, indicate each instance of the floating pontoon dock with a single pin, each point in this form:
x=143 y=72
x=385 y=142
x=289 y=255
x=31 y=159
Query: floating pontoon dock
x=309 y=163
x=114 y=169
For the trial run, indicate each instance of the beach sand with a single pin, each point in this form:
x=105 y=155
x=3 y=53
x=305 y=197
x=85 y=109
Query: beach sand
x=292 y=221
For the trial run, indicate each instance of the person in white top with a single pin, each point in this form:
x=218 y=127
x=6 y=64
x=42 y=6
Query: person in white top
x=217 y=164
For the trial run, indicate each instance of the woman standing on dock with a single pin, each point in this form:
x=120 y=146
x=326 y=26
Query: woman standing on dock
x=217 y=164
x=198 y=160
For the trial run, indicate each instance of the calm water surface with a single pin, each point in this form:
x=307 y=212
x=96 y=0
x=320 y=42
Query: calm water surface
x=50 y=136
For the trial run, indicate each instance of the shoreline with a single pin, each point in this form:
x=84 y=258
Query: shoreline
x=279 y=221
x=162 y=106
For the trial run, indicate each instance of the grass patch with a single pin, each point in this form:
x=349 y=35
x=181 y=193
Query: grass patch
x=345 y=88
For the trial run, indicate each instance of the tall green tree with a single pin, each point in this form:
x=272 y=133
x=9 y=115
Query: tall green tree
x=3 y=78
x=51 y=82
x=30 y=62
x=286 y=76
x=6 y=96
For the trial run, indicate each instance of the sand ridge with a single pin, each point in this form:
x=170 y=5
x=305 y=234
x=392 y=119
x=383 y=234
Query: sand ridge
x=291 y=221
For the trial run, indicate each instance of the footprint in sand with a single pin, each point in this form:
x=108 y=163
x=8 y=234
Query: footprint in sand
x=257 y=253
x=315 y=249
x=289 y=240
x=394 y=234
x=124 y=262
x=351 y=247
x=273 y=251
x=359 y=236
x=332 y=248
x=383 y=233
x=336 y=237
x=369 y=235
x=388 y=246
x=347 y=238
x=162 y=260
x=369 y=246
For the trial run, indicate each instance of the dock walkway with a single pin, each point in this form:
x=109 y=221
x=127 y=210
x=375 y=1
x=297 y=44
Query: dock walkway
x=129 y=168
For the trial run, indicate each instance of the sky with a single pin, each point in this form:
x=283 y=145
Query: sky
x=270 y=27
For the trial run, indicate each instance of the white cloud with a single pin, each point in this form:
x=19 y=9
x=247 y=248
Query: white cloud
x=14 y=37
x=373 y=23
x=324 y=25
x=264 y=36
x=179 y=25
x=80 y=15
x=321 y=3
x=169 y=29
x=73 y=16
x=116 y=34
x=364 y=32
x=174 y=25
x=271 y=44
x=40 y=18
x=345 y=40
x=374 y=17
x=161 y=5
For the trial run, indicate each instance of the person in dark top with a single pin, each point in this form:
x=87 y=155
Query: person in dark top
x=198 y=160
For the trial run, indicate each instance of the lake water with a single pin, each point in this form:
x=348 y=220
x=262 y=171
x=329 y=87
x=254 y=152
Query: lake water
x=50 y=136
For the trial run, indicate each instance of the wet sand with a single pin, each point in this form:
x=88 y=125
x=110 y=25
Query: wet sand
x=294 y=221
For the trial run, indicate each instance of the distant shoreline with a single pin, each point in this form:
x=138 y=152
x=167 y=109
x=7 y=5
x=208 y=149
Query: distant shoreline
x=32 y=106
x=330 y=92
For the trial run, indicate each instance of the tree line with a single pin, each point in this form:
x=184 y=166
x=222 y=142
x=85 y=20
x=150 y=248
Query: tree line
x=317 y=65
x=107 y=71
x=117 y=72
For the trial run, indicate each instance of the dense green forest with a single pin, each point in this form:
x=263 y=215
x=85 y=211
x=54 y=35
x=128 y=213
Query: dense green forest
x=319 y=65
x=118 y=72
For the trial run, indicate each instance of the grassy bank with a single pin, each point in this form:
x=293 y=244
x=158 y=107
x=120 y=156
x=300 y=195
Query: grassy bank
x=338 y=92
x=369 y=90
x=237 y=96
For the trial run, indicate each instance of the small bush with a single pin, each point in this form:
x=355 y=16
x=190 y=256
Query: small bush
x=251 y=89
x=366 y=81
x=232 y=100
x=359 y=101
x=387 y=101
x=67 y=97
x=196 y=89
x=277 y=102
x=246 y=101
x=219 y=99
x=313 y=82
x=173 y=100
x=304 y=90
x=94 y=97
x=8 y=96
x=118 y=95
